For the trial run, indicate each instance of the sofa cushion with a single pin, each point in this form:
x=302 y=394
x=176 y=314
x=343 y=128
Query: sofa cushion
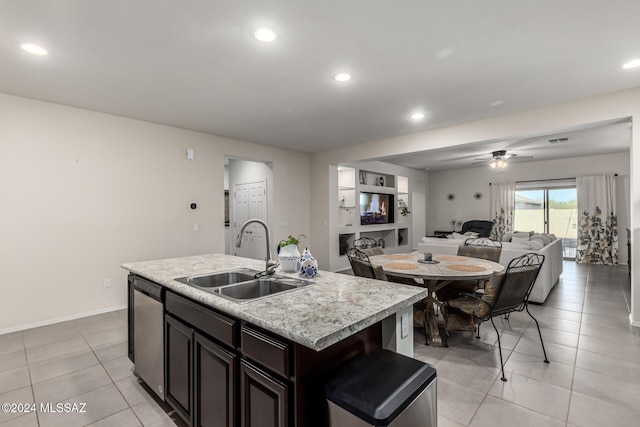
x=466 y=235
x=521 y=234
x=544 y=238
x=521 y=240
x=536 y=244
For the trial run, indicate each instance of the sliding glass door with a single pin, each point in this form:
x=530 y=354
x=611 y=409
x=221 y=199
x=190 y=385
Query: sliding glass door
x=549 y=209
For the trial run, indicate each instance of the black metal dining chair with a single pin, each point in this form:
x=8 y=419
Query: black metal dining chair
x=475 y=247
x=504 y=294
x=361 y=265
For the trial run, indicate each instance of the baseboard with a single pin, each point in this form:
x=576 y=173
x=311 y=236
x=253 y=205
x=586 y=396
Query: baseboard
x=61 y=319
x=635 y=323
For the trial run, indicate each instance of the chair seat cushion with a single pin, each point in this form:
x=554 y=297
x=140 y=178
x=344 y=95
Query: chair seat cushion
x=458 y=321
x=453 y=290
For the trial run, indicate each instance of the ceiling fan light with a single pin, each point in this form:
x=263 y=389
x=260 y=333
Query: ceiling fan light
x=493 y=164
x=501 y=164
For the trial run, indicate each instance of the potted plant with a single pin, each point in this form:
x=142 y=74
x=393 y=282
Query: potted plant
x=404 y=209
x=288 y=253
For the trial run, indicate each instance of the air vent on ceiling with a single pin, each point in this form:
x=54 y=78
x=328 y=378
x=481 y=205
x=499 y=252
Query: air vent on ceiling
x=558 y=140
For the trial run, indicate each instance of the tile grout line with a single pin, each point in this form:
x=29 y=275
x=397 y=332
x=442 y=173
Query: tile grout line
x=33 y=393
x=575 y=359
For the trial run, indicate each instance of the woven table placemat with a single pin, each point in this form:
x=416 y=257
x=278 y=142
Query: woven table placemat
x=400 y=266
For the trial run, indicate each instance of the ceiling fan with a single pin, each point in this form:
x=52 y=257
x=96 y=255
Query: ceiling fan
x=499 y=159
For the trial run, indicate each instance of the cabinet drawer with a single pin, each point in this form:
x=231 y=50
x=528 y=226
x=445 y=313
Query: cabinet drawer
x=265 y=350
x=206 y=320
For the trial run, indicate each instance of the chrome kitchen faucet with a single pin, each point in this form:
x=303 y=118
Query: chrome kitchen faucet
x=271 y=265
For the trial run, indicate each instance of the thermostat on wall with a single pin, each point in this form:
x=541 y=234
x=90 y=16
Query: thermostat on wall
x=191 y=154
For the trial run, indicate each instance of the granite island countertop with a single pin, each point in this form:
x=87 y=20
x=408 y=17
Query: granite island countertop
x=316 y=316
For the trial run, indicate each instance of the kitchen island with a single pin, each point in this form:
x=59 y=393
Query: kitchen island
x=292 y=340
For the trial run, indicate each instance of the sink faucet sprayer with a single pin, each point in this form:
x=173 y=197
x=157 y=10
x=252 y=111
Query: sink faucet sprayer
x=271 y=265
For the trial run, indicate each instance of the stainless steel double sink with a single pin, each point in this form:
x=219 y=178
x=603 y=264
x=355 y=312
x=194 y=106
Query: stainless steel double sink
x=243 y=285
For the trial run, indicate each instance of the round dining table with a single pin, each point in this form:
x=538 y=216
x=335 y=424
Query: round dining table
x=436 y=274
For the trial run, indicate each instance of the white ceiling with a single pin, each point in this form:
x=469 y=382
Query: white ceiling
x=196 y=64
x=589 y=140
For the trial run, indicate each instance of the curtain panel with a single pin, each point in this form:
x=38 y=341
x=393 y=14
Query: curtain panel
x=503 y=204
x=598 y=223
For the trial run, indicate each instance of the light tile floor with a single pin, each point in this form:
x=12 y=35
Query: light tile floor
x=79 y=361
x=594 y=375
x=593 y=378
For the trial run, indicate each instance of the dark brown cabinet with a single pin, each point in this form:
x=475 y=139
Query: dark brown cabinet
x=215 y=384
x=179 y=367
x=224 y=372
x=264 y=401
x=201 y=373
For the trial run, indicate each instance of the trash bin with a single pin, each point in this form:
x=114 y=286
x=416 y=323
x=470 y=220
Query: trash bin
x=383 y=389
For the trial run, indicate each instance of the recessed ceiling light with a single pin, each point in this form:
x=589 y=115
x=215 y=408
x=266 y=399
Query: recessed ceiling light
x=342 y=77
x=265 y=35
x=417 y=116
x=632 y=64
x=34 y=49
x=496 y=103
x=444 y=53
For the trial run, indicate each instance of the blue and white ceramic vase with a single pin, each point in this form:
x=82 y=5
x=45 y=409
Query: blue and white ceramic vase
x=289 y=257
x=307 y=264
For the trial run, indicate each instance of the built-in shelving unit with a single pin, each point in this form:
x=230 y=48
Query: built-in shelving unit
x=351 y=181
x=403 y=197
x=347 y=196
x=376 y=179
x=403 y=236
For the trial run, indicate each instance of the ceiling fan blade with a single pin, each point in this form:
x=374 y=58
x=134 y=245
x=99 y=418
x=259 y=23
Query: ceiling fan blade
x=478 y=163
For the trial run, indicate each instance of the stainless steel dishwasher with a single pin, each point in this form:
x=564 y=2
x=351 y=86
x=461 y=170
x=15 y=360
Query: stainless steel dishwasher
x=148 y=335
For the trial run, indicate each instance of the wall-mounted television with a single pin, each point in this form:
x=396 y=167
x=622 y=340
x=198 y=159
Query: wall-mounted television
x=376 y=208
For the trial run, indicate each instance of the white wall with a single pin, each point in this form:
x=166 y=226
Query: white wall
x=83 y=192
x=539 y=121
x=464 y=183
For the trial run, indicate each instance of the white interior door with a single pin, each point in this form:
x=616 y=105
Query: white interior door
x=250 y=202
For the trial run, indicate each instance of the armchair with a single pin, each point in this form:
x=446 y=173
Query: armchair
x=483 y=228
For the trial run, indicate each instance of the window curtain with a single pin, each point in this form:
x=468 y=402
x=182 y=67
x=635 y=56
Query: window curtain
x=503 y=204
x=598 y=224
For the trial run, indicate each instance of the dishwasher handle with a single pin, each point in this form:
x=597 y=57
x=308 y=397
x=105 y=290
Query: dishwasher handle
x=148 y=288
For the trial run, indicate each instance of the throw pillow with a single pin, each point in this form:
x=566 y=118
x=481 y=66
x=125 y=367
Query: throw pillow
x=542 y=237
x=522 y=234
x=457 y=236
x=507 y=237
x=521 y=240
x=535 y=245
x=472 y=234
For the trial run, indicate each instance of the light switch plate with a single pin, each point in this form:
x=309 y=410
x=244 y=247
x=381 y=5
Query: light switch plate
x=404 y=325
